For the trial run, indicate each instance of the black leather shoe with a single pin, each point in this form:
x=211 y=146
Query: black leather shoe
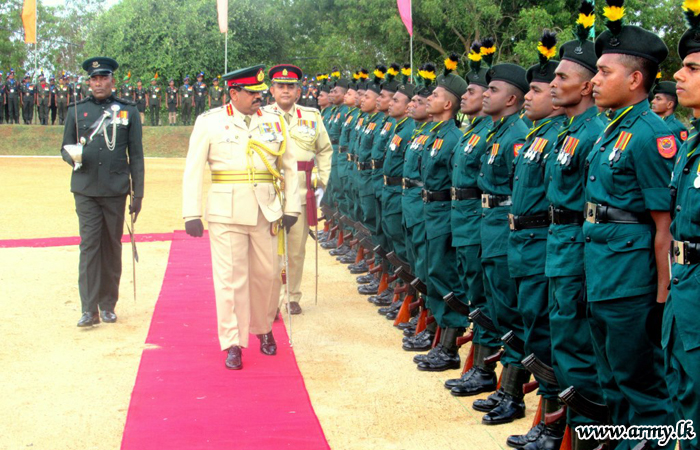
x=328 y=245
x=368 y=289
x=348 y=258
x=358 y=268
x=393 y=307
x=421 y=342
x=338 y=251
x=521 y=440
x=375 y=298
x=424 y=357
x=552 y=437
x=294 y=308
x=108 y=316
x=441 y=362
x=268 y=346
x=480 y=381
x=407 y=331
x=364 y=279
x=508 y=409
x=489 y=403
x=89 y=319
x=387 y=304
x=234 y=361
x=452 y=382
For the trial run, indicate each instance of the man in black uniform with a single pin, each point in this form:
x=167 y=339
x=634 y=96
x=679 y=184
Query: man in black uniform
x=173 y=102
x=153 y=101
x=28 y=91
x=2 y=99
x=105 y=150
x=186 y=100
x=12 y=98
x=52 y=99
x=140 y=95
x=200 y=95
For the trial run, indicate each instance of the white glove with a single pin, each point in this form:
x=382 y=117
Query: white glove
x=319 y=195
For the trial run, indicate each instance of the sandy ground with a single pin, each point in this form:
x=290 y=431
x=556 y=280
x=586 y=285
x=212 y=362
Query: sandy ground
x=65 y=388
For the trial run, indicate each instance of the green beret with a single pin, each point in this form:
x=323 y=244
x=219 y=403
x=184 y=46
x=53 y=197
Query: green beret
x=632 y=40
x=453 y=84
x=668 y=88
x=407 y=90
x=511 y=74
x=478 y=78
x=343 y=83
x=582 y=53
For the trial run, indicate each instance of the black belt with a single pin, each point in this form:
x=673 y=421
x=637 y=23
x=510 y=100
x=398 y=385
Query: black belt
x=407 y=183
x=392 y=181
x=435 y=196
x=343 y=149
x=465 y=193
x=335 y=141
x=524 y=222
x=351 y=157
x=607 y=214
x=377 y=164
x=492 y=201
x=686 y=253
x=364 y=165
x=559 y=216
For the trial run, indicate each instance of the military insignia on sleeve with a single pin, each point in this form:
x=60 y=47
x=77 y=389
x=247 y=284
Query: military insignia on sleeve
x=666 y=146
x=684 y=136
x=516 y=149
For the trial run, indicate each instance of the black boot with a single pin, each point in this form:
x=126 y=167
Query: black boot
x=392 y=308
x=483 y=377
x=364 y=279
x=421 y=342
x=343 y=249
x=489 y=403
x=448 y=357
x=553 y=433
x=511 y=407
x=369 y=289
x=521 y=440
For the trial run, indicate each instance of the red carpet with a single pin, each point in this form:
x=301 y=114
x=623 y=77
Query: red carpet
x=184 y=397
x=75 y=240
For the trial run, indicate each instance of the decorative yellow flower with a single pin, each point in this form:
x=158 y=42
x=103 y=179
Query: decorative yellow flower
x=614 y=13
x=692 y=5
x=586 y=21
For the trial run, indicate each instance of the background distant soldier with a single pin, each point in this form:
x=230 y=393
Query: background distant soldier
x=186 y=100
x=173 y=102
x=43 y=100
x=664 y=104
x=140 y=95
x=63 y=97
x=127 y=90
x=200 y=91
x=12 y=97
x=28 y=95
x=2 y=99
x=217 y=96
x=153 y=101
x=52 y=100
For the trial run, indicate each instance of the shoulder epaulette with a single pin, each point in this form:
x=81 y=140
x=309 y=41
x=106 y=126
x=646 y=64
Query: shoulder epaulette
x=212 y=111
x=125 y=101
x=79 y=102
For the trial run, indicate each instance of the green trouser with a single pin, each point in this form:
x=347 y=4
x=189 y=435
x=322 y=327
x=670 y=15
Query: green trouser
x=503 y=304
x=444 y=278
x=630 y=366
x=533 y=304
x=394 y=233
x=683 y=379
x=382 y=240
x=101 y=223
x=572 y=349
x=416 y=243
x=368 y=214
x=472 y=277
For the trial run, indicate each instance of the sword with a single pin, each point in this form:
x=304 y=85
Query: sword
x=316 y=261
x=132 y=237
x=286 y=284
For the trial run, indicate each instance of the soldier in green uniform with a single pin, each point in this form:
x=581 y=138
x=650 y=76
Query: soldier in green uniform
x=217 y=95
x=43 y=100
x=105 y=151
x=664 y=105
x=201 y=92
x=680 y=336
x=412 y=202
x=3 y=99
x=85 y=89
x=12 y=97
x=153 y=101
x=126 y=91
x=326 y=108
x=502 y=102
x=466 y=221
x=141 y=99
x=62 y=99
x=572 y=347
x=529 y=223
x=441 y=257
x=28 y=97
x=186 y=98
x=627 y=236
x=172 y=99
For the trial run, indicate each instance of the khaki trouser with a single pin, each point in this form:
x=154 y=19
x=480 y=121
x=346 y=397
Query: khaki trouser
x=245 y=265
x=296 y=246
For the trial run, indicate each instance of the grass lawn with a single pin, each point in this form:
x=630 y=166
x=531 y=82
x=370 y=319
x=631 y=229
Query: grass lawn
x=32 y=140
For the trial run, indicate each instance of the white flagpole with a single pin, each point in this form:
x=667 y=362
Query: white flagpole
x=226 y=51
x=410 y=4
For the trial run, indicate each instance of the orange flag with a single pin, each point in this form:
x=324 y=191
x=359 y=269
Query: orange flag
x=29 y=21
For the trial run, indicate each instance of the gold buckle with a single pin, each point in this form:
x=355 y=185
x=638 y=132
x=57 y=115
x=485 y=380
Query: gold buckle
x=591 y=212
x=679 y=252
x=348 y=156
x=485 y=201
x=424 y=195
x=385 y=181
x=372 y=163
x=453 y=193
x=511 y=222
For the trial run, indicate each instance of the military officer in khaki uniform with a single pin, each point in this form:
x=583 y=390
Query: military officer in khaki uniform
x=245 y=148
x=312 y=144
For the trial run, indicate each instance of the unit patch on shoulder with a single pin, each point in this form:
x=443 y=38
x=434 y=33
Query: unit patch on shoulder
x=667 y=146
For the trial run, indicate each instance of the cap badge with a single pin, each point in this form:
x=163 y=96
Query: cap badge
x=95 y=64
x=285 y=73
x=614 y=42
x=261 y=75
x=578 y=50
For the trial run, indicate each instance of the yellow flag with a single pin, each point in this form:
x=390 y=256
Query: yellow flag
x=29 y=21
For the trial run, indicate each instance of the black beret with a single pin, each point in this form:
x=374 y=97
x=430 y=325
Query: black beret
x=510 y=73
x=666 y=87
x=453 y=83
x=632 y=40
x=582 y=53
